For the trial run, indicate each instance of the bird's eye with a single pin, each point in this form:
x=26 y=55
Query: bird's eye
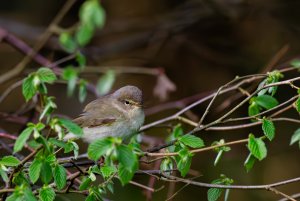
x=127 y=102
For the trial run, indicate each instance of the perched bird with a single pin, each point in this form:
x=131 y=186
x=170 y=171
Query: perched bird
x=119 y=114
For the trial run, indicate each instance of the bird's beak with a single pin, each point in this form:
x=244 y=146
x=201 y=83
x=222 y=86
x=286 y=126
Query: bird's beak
x=138 y=105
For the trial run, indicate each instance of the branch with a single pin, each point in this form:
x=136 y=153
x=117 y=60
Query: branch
x=44 y=37
x=242 y=187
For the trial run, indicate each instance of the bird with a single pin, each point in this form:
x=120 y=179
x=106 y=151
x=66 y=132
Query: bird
x=119 y=114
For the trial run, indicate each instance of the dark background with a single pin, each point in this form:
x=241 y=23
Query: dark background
x=201 y=44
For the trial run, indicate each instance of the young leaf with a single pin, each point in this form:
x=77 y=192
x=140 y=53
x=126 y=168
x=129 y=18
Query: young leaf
x=257 y=147
x=126 y=156
x=46 y=75
x=106 y=82
x=3 y=174
x=82 y=90
x=23 y=137
x=71 y=126
x=125 y=175
x=296 y=137
x=81 y=60
x=253 y=109
x=14 y=196
x=67 y=42
x=191 y=141
x=177 y=131
x=107 y=171
x=98 y=148
x=185 y=161
x=266 y=101
x=10 y=161
x=46 y=172
x=166 y=166
x=214 y=193
x=295 y=63
x=60 y=176
x=28 y=88
x=35 y=170
x=28 y=195
x=218 y=157
x=92 y=197
x=92 y=13
x=84 y=34
x=70 y=74
x=249 y=162
x=268 y=129
x=85 y=183
x=297 y=104
x=47 y=194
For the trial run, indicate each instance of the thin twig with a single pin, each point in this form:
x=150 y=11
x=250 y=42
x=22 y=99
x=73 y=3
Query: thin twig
x=43 y=39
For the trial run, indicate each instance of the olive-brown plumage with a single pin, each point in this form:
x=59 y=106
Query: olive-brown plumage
x=119 y=114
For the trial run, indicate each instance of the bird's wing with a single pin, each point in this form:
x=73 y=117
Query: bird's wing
x=89 y=121
x=98 y=113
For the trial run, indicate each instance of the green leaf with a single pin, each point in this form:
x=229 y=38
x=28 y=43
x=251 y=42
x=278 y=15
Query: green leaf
x=214 y=193
x=70 y=74
x=14 y=197
x=218 y=157
x=56 y=142
x=84 y=34
x=67 y=42
x=253 y=109
x=92 y=197
x=295 y=63
x=126 y=156
x=28 y=195
x=21 y=140
x=47 y=194
x=125 y=175
x=28 y=88
x=71 y=126
x=20 y=178
x=46 y=172
x=82 y=90
x=177 y=131
x=106 y=82
x=98 y=148
x=85 y=183
x=10 y=161
x=107 y=171
x=35 y=170
x=266 y=101
x=257 y=147
x=296 y=137
x=297 y=103
x=46 y=75
x=81 y=60
x=75 y=149
x=92 y=13
x=60 y=176
x=3 y=174
x=185 y=161
x=167 y=166
x=249 y=162
x=268 y=129
x=68 y=147
x=226 y=196
x=99 y=16
x=191 y=141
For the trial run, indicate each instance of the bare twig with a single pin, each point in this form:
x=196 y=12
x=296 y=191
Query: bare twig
x=43 y=39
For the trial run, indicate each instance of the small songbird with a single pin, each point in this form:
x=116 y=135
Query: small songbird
x=119 y=114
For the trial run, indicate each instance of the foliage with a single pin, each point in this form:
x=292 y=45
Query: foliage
x=214 y=193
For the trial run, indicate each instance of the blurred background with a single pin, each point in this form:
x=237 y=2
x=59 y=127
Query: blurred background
x=200 y=45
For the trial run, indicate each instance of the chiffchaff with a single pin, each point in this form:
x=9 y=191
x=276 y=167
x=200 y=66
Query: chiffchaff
x=119 y=114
